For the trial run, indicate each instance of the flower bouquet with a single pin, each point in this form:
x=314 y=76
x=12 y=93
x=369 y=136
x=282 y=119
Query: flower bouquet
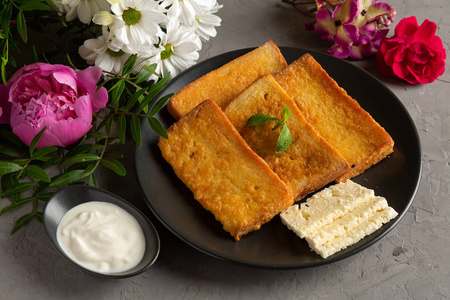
x=58 y=121
x=358 y=29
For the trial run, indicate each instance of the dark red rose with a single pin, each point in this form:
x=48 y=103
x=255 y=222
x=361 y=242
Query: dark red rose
x=414 y=53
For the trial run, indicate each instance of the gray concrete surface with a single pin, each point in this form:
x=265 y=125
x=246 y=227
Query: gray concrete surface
x=411 y=262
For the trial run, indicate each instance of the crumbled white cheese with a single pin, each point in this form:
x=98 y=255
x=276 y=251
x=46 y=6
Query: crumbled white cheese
x=337 y=217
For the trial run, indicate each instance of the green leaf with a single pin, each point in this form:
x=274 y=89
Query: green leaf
x=7 y=135
x=44 y=196
x=50 y=161
x=69 y=61
x=154 y=90
x=35 y=140
x=9 y=167
x=41 y=152
x=122 y=128
x=135 y=126
x=37 y=173
x=133 y=99
x=11 y=181
x=22 y=26
x=18 y=188
x=115 y=166
x=129 y=64
x=34 y=5
x=144 y=74
x=160 y=104
x=9 y=150
x=95 y=135
x=260 y=119
x=6 y=18
x=22 y=221
x=157 y=127
x=83 y=149
x=38 y=216
x=113 y=155
x=35 y=55
x=68 y=177
x=79 y=158
x=117 y=90
x=15 y=204
x=286 y=114
x=3 y=69
x=92 y=180
x=284 y=140
x=21 y=161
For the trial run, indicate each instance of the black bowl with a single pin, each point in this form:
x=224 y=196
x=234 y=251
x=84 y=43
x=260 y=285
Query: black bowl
x=69 y=197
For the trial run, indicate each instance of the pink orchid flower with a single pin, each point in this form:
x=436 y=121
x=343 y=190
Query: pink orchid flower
x=354 y=26
x=369 y=10
x=337 y=26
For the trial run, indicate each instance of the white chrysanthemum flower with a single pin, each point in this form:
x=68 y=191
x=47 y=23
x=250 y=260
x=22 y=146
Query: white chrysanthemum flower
x=141 y=19
x=84 y=9
x=207 y=21
x=177 y=50
x=111 y=25
x=61 y=7
x=96 y=52
x=186 y=10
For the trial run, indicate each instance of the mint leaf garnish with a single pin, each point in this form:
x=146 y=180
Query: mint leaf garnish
x=285 y=137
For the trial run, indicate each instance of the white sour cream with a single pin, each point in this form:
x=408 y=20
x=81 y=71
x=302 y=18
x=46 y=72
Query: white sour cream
x=101 y=237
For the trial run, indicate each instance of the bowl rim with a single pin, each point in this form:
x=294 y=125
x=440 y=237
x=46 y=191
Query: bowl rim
x=147 y=226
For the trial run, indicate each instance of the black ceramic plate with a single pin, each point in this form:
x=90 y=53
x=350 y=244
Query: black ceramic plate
x=274 y=246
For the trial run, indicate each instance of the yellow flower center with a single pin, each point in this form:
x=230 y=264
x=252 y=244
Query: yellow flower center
x=131 y=16
x=167 y=52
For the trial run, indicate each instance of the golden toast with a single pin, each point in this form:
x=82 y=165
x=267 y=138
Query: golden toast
x=226 y=177
x=225 y=83
x=335 y=115
x=309 y=163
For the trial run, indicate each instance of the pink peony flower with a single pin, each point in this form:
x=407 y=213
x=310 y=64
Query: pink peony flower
x=414 y=53
x=55 y=96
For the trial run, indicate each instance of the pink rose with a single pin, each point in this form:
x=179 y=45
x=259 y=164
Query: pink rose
x=414 y=53
x=55 y=96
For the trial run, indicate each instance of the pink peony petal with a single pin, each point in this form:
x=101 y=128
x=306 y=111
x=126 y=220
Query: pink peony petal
x=52 y=96
x=89 y=77
x=66 y=131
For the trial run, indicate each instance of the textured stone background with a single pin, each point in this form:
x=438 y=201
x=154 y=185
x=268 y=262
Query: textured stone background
x=411 y=262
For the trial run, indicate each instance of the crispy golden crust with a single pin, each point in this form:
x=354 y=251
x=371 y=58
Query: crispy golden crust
x=335 y=115
x=226 y=177
x=226 y=82
x=309 y=163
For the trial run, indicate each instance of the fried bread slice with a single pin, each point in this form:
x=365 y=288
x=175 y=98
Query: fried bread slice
x=335 y=115
x=225 y=83
x=309 y=163
x=226 y=177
